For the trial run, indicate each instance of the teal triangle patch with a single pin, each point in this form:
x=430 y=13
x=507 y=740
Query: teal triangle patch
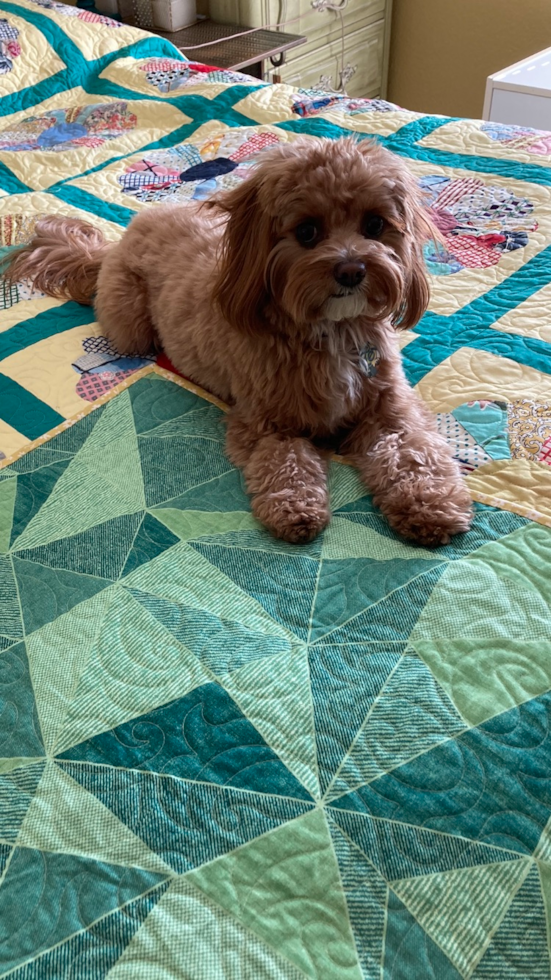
x=335 y=671
x=220 y=644
x=40 y=457
x=366 y=897
x=399 y=850
x=156 y=400
x=98 y=948
x=223 y=494
x=33 y=489
x=191 y=463
x=19 y=726
x=411 y=714
x=186 y=823
x=519 y=948
x=11 y=626
x=151 y=539
x=17 y=788
x=5 y=851
x=363 y=599
x=72 y=438
x=409 y=953
x=284 y=584
x=99 y=551
x=46 y=593
x=45 y=898
x=202 y=736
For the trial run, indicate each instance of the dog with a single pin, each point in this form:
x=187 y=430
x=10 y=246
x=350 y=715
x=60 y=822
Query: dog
x=283 y=296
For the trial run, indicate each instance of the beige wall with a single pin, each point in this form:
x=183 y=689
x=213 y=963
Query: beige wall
x=443 y=50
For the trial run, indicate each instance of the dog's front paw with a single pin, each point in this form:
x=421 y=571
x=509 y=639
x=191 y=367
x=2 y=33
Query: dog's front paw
x=297 y=518
x=420 y=512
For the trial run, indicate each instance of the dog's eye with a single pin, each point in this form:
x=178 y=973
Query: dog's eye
x=307 y=234
x=373 y=226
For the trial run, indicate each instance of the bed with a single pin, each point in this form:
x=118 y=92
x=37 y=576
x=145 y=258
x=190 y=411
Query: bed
x=222 y=756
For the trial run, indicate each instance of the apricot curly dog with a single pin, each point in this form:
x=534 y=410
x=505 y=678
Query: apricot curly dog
x=283 y=297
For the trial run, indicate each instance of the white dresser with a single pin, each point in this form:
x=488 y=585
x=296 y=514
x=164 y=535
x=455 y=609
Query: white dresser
x=521 y=95
x=319 y=63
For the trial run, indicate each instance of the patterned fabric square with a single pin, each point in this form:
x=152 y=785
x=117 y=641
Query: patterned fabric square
x=529 y=429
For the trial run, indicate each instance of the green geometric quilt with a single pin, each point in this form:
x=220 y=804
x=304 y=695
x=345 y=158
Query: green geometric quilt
x=223 y=756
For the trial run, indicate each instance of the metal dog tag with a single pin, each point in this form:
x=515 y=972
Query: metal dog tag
x=369 y=360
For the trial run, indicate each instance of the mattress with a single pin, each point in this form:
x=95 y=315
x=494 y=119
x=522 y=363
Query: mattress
x=221 y=755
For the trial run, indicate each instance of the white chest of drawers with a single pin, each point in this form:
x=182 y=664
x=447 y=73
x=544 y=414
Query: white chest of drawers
x=362 y=54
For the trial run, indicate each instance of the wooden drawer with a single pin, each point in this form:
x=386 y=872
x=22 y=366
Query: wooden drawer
x=363 y=49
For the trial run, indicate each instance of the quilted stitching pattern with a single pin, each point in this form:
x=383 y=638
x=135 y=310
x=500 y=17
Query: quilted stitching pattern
x=226 y=756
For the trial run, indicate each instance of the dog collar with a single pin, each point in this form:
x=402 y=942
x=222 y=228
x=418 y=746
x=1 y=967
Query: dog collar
x=369 y=360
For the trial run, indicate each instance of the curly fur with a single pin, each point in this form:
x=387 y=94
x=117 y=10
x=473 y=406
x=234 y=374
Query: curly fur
x=63 y=258
x=246 y=311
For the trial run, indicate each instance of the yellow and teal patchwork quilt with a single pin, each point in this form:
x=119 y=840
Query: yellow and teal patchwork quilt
x=223 y=757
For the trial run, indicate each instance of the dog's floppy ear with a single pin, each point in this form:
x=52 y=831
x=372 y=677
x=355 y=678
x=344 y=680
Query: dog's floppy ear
x=240 y=290
x=416 y=227
x=419 y=230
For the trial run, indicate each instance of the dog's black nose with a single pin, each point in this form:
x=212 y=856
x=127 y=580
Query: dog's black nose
x=349 y=273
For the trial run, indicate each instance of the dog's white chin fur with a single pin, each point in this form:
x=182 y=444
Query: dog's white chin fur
x=344 y=307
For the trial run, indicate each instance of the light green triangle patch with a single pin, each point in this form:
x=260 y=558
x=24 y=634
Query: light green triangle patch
x=186 y=927
x=184 y=576
x=472 y=599
x=65 y=818
x=191 y=524
x=460 y=910
x=286 y=888
x=7 y=764
x=136 y=666
x=102 y=481
x=274 y=693
x=485 y=637
x=543 y=849
x=345 y=539
x=485 y=677
x=345 y=485
x=8 y=489
x=58 y=655
x=102 y=663
x=524 y=556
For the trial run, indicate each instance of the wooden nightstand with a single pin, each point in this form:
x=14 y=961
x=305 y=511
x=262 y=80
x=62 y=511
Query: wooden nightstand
x=521 y=95
x=249 y=53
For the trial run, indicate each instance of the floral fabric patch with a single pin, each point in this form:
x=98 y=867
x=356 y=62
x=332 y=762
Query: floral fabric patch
x=9 y=46
x=69 y=128
x=480 y=223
